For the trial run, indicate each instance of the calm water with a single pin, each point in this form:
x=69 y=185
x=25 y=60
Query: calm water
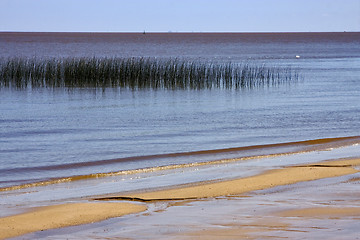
x=54 y=133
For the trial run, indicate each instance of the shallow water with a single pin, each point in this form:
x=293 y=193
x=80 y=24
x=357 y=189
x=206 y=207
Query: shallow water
x=64 y=132
x=57 y=134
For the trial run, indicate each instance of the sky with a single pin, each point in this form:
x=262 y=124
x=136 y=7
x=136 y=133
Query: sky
x=180 y=15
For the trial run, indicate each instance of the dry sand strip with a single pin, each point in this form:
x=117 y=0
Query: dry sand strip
x=322 y=212
x=269 y=179
x=63 y=215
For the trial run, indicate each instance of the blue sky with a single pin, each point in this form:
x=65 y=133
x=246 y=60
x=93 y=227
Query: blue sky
x=180 y=15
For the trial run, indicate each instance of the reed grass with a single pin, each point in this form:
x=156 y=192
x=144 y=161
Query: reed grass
x=138 y=73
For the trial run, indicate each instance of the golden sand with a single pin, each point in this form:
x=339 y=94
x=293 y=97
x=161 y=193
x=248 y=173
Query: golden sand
x=321 y=212
x=63 y=215
x=269 y=179
x=81 y=213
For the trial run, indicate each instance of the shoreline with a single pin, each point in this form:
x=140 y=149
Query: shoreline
x=73 y=214
x=245 y=152
x=265 y=180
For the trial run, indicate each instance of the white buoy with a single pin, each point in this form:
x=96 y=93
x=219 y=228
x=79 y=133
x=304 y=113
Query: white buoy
x=297 y=56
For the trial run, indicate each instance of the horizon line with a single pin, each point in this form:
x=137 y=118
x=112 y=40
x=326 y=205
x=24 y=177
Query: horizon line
x=186 y=32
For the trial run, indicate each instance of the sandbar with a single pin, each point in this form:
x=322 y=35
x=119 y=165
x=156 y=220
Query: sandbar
x=268 y=179
x=63 y=215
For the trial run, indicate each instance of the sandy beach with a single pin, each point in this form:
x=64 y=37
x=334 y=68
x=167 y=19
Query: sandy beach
x=59 y=216
x=63 y=215
x=180 y=135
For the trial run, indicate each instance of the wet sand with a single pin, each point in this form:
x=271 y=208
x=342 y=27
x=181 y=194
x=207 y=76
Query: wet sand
x=307 y=223
x=325 y=208
x=81 y=213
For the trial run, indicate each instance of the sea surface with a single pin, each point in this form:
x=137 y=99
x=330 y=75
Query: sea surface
x=54 y=135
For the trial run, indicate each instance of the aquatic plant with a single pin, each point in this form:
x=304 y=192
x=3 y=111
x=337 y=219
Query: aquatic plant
x=138 y=73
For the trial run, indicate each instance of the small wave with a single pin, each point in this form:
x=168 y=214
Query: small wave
x=302 y=147
x=133 y=171
x=307 y=145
